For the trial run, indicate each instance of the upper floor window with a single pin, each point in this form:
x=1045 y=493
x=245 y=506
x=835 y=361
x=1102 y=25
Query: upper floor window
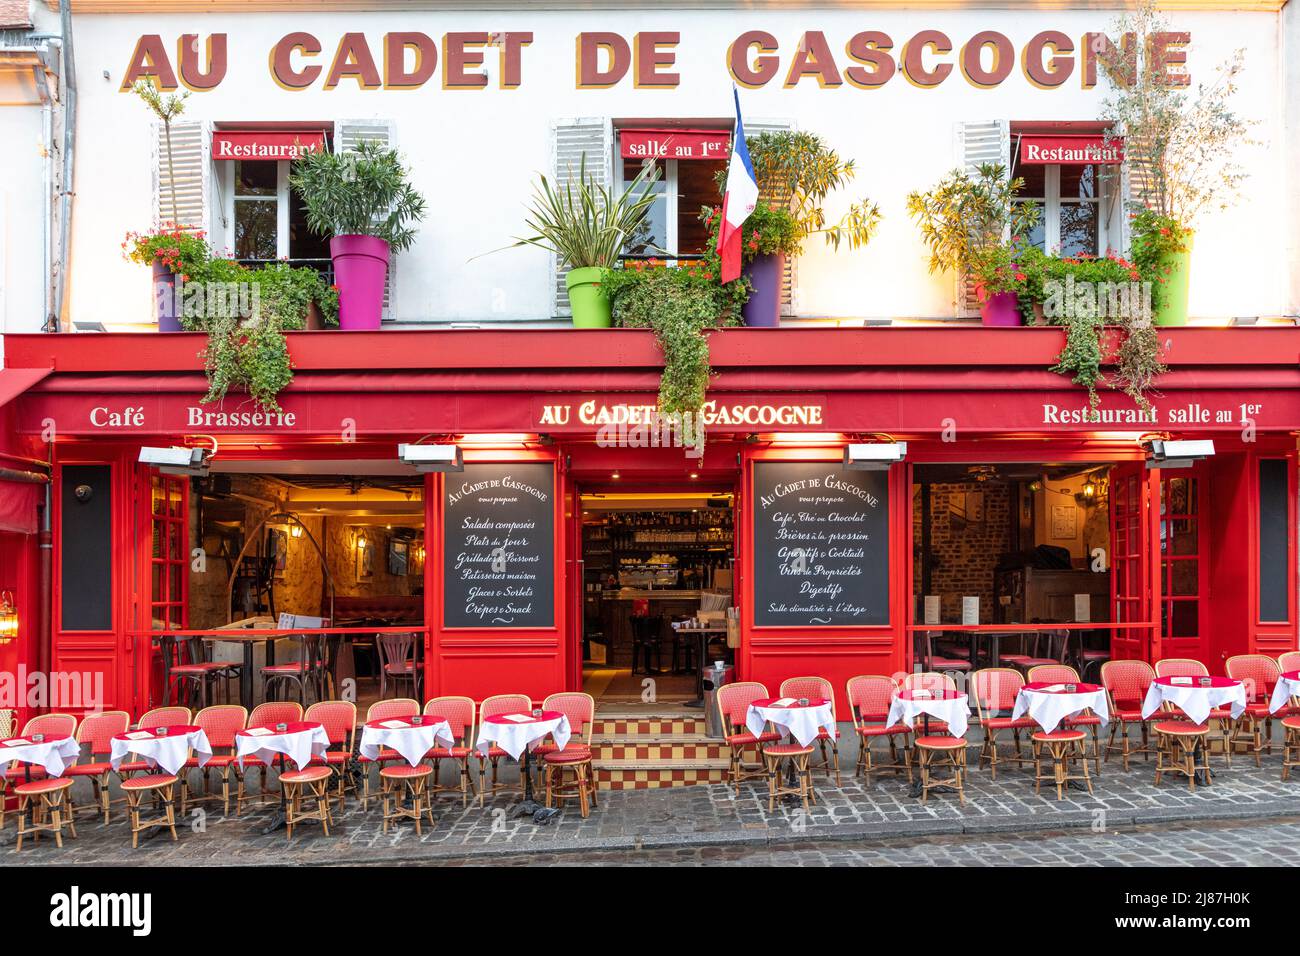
x=689 y=163
x=1070 y=207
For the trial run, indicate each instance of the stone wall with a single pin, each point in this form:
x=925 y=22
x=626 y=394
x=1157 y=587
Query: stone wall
x=970 y=529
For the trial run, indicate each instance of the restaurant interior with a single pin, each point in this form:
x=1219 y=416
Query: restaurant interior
x=300 y=548
x=657 y=586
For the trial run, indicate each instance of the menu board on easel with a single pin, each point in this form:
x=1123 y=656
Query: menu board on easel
x=498 y=560
x=821 y=545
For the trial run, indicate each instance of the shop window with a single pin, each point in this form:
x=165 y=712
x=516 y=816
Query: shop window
x=267 y=220
x=1071 y=210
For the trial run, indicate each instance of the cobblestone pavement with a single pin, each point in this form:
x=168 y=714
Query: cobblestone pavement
x=1228 y=843
x=686 y=817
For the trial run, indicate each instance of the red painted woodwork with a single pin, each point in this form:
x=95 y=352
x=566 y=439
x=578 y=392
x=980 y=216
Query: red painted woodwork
x=1134 y=560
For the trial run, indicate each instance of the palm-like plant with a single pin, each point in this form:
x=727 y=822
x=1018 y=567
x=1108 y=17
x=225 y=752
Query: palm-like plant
x=964 y=217
x=361 y=192
x=585 y=223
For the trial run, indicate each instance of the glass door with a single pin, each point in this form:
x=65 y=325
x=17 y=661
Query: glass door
x=1181 y=566
x=166 y=531
x=1133 y=579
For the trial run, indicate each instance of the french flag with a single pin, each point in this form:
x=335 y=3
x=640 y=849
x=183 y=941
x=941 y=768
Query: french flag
x=738 y=201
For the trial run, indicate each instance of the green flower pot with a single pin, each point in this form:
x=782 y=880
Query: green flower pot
x=1176 y=267
x=587 y=298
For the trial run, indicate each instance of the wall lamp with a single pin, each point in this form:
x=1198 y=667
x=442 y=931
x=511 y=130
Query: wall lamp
x=426 y=458
x=1165 y=453
x=178 y=460
x=874 y=456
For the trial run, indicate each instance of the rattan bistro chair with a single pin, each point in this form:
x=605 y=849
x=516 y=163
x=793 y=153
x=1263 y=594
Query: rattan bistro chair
x=869 y=698
x=44 y=805
x=339 y=718
x=1065 y=674
x=1259 y=674
x=575 y=757
x=266 y=714
x=1220 y=721
x=1064 y=746
x=1127 y=683
x=1288 y=662
x=810 y=687
x=220 y=723
x=459 y=714
x=995 y=690
x=12 y=772
x=494 y=707
x=733 y=705
x=935 y=683
x=393 y=708
x=96 y=735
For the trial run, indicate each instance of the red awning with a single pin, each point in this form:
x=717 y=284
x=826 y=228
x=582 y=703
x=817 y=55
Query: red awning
x=1072 y=150
x=15 y=381
x=674 y=143
x=18 y=501
x=266 y=144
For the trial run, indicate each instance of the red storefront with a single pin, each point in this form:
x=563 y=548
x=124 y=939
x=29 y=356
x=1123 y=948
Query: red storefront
x=966 y=401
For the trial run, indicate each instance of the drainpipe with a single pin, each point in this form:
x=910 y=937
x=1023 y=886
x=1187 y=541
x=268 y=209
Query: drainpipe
x=45 y=544
x=55 y=321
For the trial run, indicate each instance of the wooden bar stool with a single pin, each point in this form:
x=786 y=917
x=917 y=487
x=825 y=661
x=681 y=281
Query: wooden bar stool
x=163 y=787
x=410 y=780
x=1065 y=746
x=775 y=756
x=47 y=804
x=1179 y=740
x=316 y=780
x=583 y=785
x=1290 y=745
x=934 y=752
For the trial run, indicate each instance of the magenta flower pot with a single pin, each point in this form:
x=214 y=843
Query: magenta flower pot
x=763 y=309
x=1000 y=308
x=166 y=307
x=360 y=268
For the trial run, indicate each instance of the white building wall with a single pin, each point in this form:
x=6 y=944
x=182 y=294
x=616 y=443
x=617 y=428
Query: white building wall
x=474 y=153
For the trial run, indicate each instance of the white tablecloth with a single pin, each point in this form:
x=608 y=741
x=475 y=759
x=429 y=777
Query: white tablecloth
x=1286 y=689
x=1195 y=701
x=513 y=737
x=1048 y=708
x=802 y=723
x=411 y=742
x=53 y=755
x=954 y=712
x=168 y=752
x=299 y=746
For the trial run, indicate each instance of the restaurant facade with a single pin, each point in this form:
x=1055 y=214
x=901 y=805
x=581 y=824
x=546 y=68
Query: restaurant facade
x=835 y=565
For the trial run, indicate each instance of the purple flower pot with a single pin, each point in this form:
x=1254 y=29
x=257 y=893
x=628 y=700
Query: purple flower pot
x=1000 y=308
x=360 y=268
x=166 y=308
x=763 y=310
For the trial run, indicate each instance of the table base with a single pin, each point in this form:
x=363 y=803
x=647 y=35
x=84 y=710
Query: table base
x=529 y=806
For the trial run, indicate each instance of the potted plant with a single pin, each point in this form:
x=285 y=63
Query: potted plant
x=767 y=238
x=795 y=172
x=362 y=200
x=1179 y=151
x=171 y=252
x=294 y=297
x=999 y=280
x=586 y=226
x=964 y=218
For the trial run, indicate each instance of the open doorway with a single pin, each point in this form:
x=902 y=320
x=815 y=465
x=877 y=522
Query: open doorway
x=1025 y=543
x=657 y=589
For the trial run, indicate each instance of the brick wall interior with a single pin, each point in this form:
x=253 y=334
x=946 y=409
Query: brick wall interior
x=962 y=553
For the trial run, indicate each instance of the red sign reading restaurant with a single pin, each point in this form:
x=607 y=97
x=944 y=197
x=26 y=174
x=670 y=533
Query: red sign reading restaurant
x=265 y=144
x=1071 y=150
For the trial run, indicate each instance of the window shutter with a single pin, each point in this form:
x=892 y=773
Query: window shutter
x=347 y=135
x=189 y=172
x=978 y=143
x=790 y=278
x=573 y=140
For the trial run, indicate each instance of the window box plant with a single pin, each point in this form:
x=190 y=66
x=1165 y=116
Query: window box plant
x=171 y=252
x=362 y=200
x=964 y=220
x=586 y=226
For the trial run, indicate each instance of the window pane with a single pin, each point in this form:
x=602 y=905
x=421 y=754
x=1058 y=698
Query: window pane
x=1183 y=619
x=1078 y=229
x=1035 y=177
x=1184 y=577
x=256 y=178
x=1184 y=536
x=652 y=236
x=1078 y=182
x=255 y=222
x=1037 y=234
x=303 y=243
x=696 y=187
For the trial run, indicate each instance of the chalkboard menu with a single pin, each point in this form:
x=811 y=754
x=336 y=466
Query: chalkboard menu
x=821 y=545
x=498 y=560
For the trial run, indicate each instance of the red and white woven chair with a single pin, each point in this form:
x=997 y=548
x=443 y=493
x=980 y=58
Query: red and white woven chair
x=494 y=707
x=812 y=687
x=995 y=690
x=1065 y=674
x=393 y=708
x=576 y=757
x=96 y=735
x=733 y=705
x=1288 y=662
x=1259 y=674
x=46 y=804
x=52 y=725
x=169 y=716
x=220 y=723
x=1220 y=720
x=869 y=697
x=339 y=718
x=1126 y=684
x=267 y=715
x=935 y=683
x=459 y=714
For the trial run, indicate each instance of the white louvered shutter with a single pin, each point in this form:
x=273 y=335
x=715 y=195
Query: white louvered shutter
x=978 y=143
x=347 y=135
x=189 y=172
x=790 y=278
x=587 y=139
